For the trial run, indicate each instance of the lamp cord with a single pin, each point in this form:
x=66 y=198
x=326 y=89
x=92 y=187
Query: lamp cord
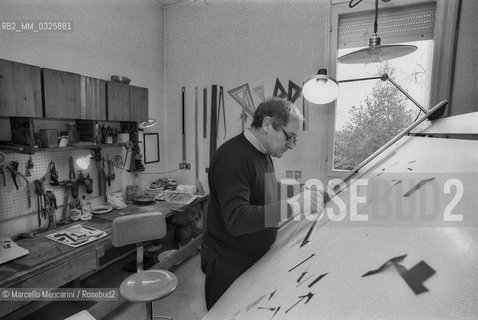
x=375 y=23
x=418 y=115
x=121 y=168
x=352 y=4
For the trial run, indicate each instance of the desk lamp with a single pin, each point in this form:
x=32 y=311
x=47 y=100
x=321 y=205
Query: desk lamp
x=147 y=124
x=320 y=89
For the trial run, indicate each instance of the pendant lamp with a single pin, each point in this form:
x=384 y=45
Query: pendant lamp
x=376 y=52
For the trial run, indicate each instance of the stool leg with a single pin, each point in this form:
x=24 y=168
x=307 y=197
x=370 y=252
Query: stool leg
x=149 y=310
x=149 y=313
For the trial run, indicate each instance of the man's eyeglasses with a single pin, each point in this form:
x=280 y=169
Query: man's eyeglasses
x=289 y=138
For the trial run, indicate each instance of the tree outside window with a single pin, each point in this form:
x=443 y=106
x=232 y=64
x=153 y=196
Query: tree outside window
x=371 y=112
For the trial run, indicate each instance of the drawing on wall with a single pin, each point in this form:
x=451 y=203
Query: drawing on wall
x=294 y=92
x=279 y=90
x=243 y=96
x=259 y=91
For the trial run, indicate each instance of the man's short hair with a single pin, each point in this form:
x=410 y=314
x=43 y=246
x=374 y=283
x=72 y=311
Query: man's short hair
x=278 y=109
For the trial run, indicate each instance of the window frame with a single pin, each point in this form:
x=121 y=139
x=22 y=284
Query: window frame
x=446 y=17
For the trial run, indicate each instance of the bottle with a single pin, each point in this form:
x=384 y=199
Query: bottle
x=85 y=205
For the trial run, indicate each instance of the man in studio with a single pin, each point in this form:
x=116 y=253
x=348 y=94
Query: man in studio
x=243 y=199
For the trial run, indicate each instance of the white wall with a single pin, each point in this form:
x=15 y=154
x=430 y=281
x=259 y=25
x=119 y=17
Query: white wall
x=109 y=37
x=232 y=42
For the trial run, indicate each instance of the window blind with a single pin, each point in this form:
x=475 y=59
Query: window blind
x=395 y=25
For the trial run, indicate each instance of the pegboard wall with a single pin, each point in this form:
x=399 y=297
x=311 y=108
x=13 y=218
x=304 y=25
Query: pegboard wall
x=14 y=203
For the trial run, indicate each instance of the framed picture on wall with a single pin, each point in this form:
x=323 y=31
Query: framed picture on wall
x=151 y=147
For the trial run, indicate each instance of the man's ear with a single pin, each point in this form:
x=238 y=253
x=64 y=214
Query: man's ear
x=267 y=124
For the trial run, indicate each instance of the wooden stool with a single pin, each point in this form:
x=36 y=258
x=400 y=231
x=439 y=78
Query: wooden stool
x=145 y=285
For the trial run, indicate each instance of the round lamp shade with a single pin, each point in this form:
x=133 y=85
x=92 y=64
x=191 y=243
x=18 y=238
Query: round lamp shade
x=320 y=89
x=386 y=52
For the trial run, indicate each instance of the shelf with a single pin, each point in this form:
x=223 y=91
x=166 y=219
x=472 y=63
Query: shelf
x=84 y=146
x=28 y=150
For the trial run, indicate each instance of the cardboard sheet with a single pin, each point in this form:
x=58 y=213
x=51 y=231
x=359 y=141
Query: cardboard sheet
x=76 y=235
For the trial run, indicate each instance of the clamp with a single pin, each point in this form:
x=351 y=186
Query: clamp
x=53 y=174
x=13 y=168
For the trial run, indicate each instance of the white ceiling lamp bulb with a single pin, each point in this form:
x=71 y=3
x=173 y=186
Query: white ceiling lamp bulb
x=374 y=64
x=376 y=53
x=320 y=89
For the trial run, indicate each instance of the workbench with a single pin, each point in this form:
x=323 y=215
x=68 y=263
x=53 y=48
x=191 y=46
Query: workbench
x=51 y=264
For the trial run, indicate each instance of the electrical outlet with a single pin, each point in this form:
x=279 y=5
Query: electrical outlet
x=289 y=174
x=184 y=166
x=297 y=174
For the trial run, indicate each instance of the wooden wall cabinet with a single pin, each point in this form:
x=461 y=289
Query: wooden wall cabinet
x=20 y=90
x=30 y=91
x=138 y=103
x=93 y=98
x=61 y=94
x=126 y=103
x=117 y=101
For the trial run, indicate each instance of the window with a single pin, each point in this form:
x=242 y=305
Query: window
x=369 y=112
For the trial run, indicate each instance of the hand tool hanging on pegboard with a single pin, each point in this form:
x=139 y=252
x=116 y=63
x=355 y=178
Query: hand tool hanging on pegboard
x=88 y=182
x=29 y=167
x=13 y=168
x=111 y=171
x=101 y=172
x=108 y=176
x=71 y=169
x=221 y=106
x=128 y=145
x=53 y=174
x=200 y=188
x=51 y=206
x=136 y=163
x=39 y=193
x=102 y=179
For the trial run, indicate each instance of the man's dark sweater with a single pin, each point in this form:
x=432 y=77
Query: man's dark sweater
x=241 y=194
